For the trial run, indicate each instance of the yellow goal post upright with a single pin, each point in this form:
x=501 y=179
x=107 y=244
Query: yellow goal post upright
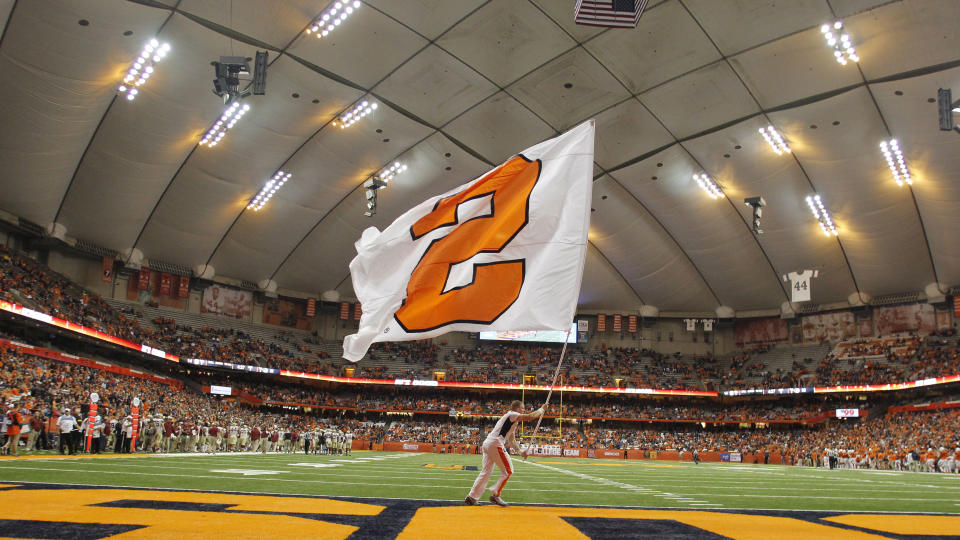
x=532 y=435
x=553 y=384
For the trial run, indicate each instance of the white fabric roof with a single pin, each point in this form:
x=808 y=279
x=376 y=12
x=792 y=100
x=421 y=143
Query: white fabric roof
x=462 y=85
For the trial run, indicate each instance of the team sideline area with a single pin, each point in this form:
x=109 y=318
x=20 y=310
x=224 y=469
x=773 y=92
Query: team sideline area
x=413 y=495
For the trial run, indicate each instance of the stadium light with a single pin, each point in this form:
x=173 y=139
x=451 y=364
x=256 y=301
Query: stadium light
x=840 y=42
x=142 y=68
x=351 y=117
x=387 y=174
x=330 y=19
x=898 y=167
x=707 y=185
x=227 y=120
x=378 y=182
x=267 y=192
x=775 y=141
x=821 y=215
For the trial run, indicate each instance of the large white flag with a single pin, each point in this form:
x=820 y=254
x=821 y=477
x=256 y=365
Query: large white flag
x=502 y=252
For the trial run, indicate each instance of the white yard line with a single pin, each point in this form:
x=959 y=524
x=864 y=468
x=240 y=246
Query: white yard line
x=607 y=482
x=460 y=487
x=420 y=473
x=751 y=483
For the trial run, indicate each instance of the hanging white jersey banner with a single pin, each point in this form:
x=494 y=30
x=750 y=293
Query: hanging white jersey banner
x=691 y=325
x=503 y=252
x=800 y=284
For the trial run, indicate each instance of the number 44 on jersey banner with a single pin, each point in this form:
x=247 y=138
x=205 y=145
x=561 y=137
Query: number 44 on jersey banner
x=503 y=252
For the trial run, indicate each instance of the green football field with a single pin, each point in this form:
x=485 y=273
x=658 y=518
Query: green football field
x=440 y=477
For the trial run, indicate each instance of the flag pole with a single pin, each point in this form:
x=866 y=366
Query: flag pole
x=556 y=373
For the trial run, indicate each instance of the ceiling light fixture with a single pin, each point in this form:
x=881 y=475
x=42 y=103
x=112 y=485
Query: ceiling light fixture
x=142 y=68
x=351 y=117
x=269 y=190
x=707 y=185
x=898 y=167
x=821 y=215
x=775 y=141
x=227 y=120
x=839 y=41
x=330 y=19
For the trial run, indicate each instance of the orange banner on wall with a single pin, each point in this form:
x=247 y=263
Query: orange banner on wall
x=143 y=279
x=106 y=270
x=166 y=282
x=184 y=289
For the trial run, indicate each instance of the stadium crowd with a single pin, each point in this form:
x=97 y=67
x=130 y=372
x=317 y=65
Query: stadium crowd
x=575 y=407
x=872 y=361
x=51 y=399
x=23 y=280
x=898 y=358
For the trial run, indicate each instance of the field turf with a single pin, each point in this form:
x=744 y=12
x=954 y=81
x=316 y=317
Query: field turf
x=417 y=484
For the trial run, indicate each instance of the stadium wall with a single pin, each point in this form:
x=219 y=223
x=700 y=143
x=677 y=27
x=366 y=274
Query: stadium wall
x=82 y=270
x=771 y=458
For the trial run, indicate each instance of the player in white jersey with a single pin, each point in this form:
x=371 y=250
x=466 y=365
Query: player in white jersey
x=244 y=438
x=495 y=453
x=232 y=435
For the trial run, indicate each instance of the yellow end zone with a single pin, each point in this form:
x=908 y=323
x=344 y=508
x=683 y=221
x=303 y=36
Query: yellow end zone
x=74 y=506
x=227 y=515
x=548 y=522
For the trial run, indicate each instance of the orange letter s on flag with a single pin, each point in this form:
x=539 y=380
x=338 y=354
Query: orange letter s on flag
x=495 y=286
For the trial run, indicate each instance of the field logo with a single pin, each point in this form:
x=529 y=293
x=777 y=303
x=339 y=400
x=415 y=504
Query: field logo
x=451 y=467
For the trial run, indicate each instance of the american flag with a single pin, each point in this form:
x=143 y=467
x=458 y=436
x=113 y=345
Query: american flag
x=609 y=13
